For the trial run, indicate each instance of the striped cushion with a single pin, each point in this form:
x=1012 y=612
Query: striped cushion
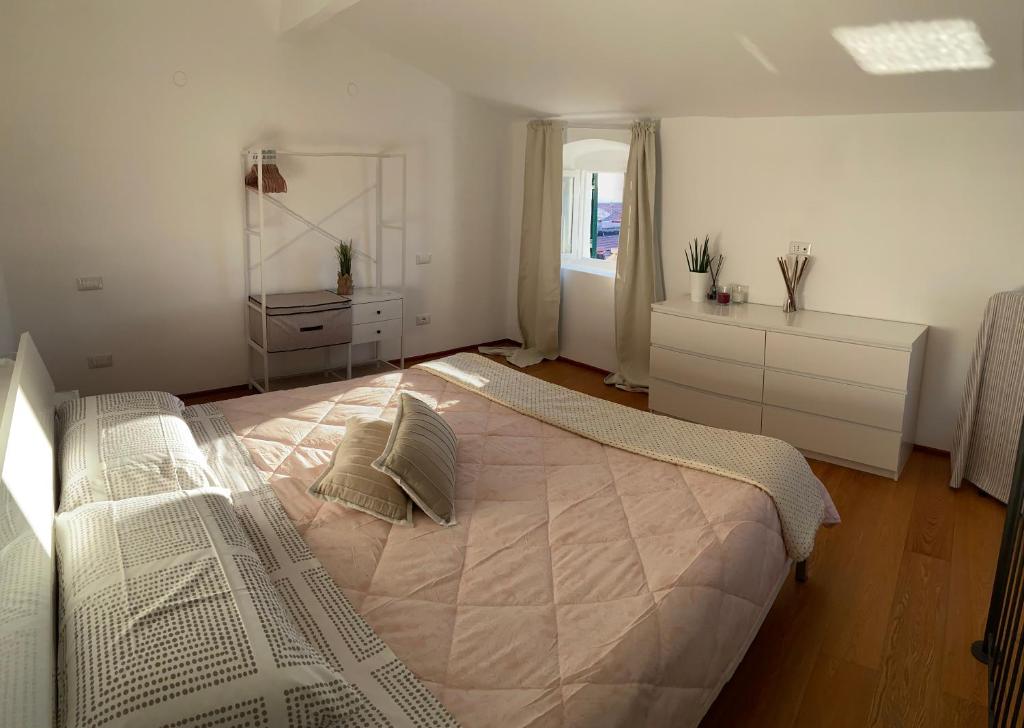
x=420 y=456
x=350 y=480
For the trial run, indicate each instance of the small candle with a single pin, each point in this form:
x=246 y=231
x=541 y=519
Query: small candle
x=723 y=297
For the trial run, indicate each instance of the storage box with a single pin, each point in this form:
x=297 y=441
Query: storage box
x=302 y=320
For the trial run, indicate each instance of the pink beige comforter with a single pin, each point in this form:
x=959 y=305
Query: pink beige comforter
x=583 y=585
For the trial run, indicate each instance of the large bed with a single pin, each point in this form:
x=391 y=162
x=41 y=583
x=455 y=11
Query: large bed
x=607 y=567
x=582 y=585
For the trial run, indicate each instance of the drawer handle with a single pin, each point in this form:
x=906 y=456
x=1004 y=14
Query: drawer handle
x=378 y=331
x=378 y=313
x=312 y=328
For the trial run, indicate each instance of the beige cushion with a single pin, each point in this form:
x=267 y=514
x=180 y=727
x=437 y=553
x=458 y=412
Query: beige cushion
x=420 y=456
x=351 y=480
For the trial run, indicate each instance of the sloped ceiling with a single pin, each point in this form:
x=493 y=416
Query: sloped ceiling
x=686 y=57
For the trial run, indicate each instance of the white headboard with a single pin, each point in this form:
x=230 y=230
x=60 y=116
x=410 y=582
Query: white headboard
x=27 y=574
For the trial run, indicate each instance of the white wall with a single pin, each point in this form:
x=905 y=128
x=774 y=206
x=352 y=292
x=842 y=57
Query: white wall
x=914 y=217
x=113 y=170
x=587 y=318
x=8 y=332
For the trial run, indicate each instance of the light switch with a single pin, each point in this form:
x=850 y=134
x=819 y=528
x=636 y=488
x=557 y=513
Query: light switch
x=90 y=283
x=100 y=361
x=423 y=258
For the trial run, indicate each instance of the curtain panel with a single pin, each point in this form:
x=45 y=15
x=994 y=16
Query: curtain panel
x=638 y=276
x=540 y=247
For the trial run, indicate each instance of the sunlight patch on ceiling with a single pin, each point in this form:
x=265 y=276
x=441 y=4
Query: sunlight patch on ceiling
x=916 y=47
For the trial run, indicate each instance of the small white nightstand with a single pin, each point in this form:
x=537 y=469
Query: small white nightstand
x=378 y=314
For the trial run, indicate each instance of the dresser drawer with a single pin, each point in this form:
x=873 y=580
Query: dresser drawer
x=363 y=333
x=846 y=440
x=703 y=408
x=703 y=337
x=364 y=313
x=838 y=360
x=852 y=402
x=711 y=375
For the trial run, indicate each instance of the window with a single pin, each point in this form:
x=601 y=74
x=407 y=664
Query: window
x=592 y=179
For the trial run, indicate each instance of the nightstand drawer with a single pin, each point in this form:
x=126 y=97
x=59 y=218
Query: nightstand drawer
x=379 y=331
x=365 y=313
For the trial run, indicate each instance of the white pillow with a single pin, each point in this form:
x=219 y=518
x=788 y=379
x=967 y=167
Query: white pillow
x=116 y=446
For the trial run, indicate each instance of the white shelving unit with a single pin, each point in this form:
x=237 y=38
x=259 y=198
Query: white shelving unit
x=378 y=313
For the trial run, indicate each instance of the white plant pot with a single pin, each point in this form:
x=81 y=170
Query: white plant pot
x=699 y=285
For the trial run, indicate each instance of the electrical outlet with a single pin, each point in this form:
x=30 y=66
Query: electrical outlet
x=100 y=361
x=423 y=258
x=423 y=319
x=798 y=248
x=91 y=283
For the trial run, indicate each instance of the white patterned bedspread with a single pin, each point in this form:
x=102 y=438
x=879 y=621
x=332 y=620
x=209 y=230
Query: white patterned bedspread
x=320 y=611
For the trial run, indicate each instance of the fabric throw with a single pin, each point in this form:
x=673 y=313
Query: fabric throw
x=352 y=481
x=540 y=246
x=987 y=432
x=117 y=446
x=772 y=465
x=638 y=275
x=170 y=618
x=313 y=600
x=225 y=456
x=420 y=456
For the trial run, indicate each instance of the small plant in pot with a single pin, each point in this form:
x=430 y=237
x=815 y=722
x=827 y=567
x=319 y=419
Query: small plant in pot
x=699 y=260
x=344 y=252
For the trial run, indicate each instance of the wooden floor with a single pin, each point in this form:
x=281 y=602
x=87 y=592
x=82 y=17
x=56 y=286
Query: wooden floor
x=880 y=634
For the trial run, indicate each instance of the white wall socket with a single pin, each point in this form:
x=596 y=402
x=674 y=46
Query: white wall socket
x=798 y=248
x=90 y=283
x=100 y=361
x=423 y=319
x=423 y=258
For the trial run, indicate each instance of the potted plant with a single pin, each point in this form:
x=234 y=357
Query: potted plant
x=698 y=260
x=344 y=252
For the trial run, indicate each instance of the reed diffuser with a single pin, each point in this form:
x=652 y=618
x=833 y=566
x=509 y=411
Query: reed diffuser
x=792 y=267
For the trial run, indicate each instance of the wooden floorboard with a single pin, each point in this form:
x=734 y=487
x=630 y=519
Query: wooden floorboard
x=839 y=695
x=909 y=691
x=880 y=635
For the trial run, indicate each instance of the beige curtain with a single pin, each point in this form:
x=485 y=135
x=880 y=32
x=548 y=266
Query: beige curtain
x=540 y=248
x=638 y=275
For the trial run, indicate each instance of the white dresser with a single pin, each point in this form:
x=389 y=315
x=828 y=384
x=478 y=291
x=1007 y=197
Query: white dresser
x=840 y=388
x=377 y=315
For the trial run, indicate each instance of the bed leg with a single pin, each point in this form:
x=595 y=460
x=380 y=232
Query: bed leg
x=801 y=571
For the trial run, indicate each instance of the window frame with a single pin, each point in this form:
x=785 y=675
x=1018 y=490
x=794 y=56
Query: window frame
x=581 y=196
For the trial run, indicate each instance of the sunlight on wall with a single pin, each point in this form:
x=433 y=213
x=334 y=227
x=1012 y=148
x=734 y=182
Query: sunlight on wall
x=26 y=465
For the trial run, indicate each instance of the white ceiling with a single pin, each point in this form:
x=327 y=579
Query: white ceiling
x=686 y=57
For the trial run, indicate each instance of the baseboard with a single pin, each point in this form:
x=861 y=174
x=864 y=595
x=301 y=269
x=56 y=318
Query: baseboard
x=591 y=367
x=203 y=393
x=448 y=352
x=241 y=390
x=932 y=450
